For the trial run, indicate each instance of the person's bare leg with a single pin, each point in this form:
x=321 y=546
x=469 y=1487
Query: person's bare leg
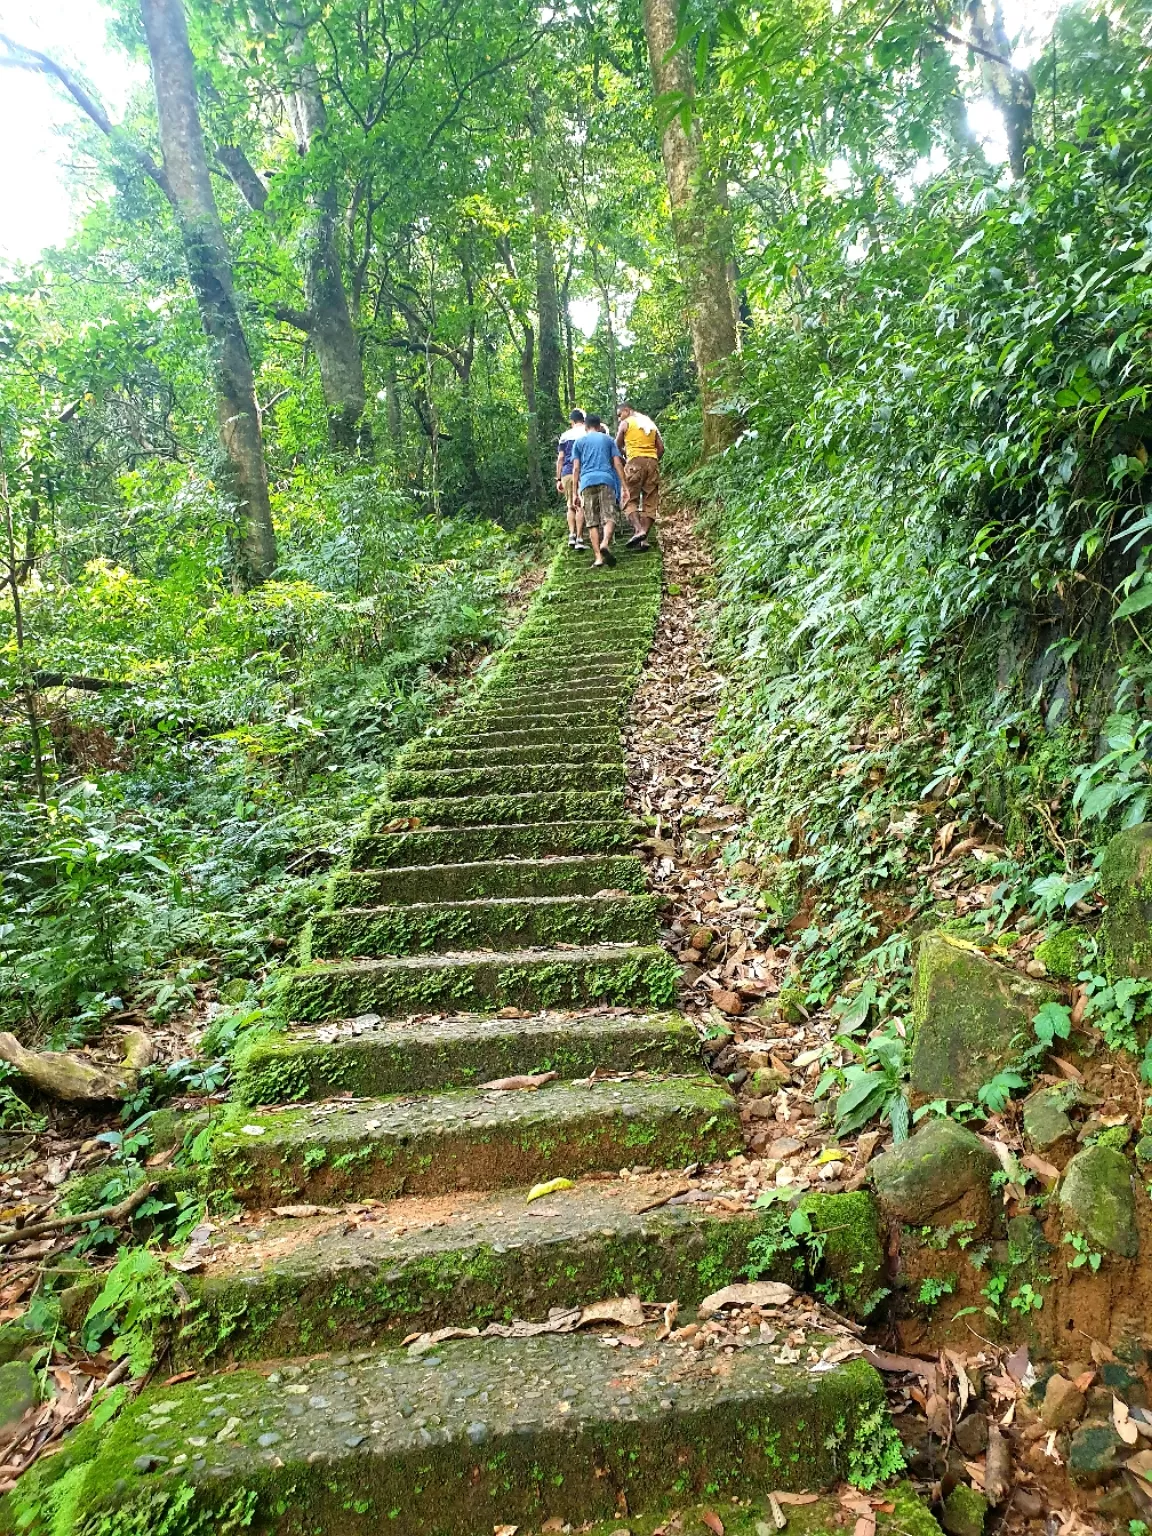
x=606 y=536
x=594 y=535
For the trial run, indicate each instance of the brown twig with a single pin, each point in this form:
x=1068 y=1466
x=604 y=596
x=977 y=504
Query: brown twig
x=116 y=1212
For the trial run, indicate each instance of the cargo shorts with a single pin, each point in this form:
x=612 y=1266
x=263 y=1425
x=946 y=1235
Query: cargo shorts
x=599 y=505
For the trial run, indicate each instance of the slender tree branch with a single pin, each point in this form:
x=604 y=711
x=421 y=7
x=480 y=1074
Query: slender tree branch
x=22 y=57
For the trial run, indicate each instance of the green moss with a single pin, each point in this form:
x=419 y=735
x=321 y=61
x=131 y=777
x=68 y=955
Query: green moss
x=499 y=923
x=488 y=810
x=1063 y=954
x=579 y=876
x=509 y=779
x=605 y=834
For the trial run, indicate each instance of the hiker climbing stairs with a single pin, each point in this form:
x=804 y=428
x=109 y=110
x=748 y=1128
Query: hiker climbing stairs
x=491 y=925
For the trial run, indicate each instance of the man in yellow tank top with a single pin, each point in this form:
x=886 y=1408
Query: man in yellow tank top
x=640 y=441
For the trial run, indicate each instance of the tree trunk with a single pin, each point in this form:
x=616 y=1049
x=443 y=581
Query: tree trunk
x=392 y=410
x=613 y=377
x=569 y=351
x=1011 y=89
x=330 y=323
x=210 y=273
x=528 y=383
x=697 y=221
x=547 y=299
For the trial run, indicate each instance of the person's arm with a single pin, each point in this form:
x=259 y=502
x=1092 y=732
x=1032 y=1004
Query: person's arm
x=618 y=464
x=659 y=444
x=560 y=470
x=620 y=432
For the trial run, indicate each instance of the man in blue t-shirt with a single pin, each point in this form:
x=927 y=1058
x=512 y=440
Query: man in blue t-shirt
x=599 y=470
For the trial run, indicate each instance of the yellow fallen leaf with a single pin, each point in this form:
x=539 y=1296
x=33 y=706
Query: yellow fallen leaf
x=831 y=1155
x=538 y=1190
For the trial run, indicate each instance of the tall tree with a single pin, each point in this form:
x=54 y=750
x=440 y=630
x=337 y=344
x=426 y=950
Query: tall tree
x=698 y=220
x=549 y=358
x=185 y=182
x=326 y=319
x=210 y=273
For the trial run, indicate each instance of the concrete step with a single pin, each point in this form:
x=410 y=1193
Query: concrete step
x=429 y=755
x=409 y=782
x=549 y=733
x=487 y=922
x=484 y=810
x=621 y=975
x=469 y=1139
x=500 y=718
x=277 y=1286
x=480 y=1433
x=543 y=704
x=499 y=841
x=579 y=875
x=378 y=1059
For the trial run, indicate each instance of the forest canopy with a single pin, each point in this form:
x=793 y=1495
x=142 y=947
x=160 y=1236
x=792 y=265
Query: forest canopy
x=278 y=422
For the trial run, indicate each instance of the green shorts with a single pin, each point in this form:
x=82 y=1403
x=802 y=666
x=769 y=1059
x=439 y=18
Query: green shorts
x=599 y=503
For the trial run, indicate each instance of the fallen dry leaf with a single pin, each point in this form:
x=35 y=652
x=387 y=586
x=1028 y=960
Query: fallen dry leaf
x=756 y=1293
x=713 y=1522
x=529 y=1081
x=628 y=1311
x=1122 y=1422
x=796 y=1498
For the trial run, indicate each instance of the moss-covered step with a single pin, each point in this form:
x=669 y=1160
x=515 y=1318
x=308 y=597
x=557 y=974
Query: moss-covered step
x=487 y=922
x=551 y=734
x=533 y=665
x=543 y=706
x=579 y=875
x=475 y=982
x=484 y=810
x=501 y=840
x=379 y=1060
x=480 y=1433
x=470 y=1139
x=411 y=783
x=439 y=755
x=278 y=1287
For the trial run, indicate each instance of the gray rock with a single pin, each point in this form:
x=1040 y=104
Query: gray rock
x=1096 y=1199
x=1046 y=1120
x=19 y=1391
x=939 y=1166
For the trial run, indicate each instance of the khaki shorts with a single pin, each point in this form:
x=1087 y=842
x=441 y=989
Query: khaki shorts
x=599 y=505
x=569 y=484
x=642 y=479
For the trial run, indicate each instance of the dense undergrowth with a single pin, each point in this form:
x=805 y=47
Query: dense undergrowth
x=933 y=529
x=193 y=807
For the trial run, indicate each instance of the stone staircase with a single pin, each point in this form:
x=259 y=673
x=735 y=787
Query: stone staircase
x=492 y=922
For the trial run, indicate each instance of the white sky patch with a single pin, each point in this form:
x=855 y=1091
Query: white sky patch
x=38 y=205
x=585 y=315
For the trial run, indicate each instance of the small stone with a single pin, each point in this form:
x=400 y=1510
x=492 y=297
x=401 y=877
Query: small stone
x=1095 y=1454
x=784 y=1146
x=1063 y=1402
x=964 y=1511
x=690 y=975
x=352 y=1441
x=1096 y=1199
x=269 y=1439
x=941 y=1165
x=477 y=1433
x=728 y=1002
x=1027 y=1504
x=972 y=1435
x=765 y=1081
x=149 y=1463
x=1036 y=968
x=701 y=939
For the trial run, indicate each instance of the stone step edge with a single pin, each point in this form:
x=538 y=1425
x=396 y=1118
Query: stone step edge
x=377 y=1060
x=358 y=1276
x=482 y=1432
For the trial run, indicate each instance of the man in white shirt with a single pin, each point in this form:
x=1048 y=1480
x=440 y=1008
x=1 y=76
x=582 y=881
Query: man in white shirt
x=566 y=482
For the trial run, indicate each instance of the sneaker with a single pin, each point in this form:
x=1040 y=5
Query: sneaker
x=609 y=557
x=580 y=547
x=571 y=542
x=635 y=541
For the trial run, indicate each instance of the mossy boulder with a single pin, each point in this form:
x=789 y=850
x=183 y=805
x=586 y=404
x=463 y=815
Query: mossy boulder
x=1096 y=1200
x=942 y=1167
x=1095 y=1454
x=19 y=1391
x=1063 y=953
x=1126 y=885
x=967 y=1015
